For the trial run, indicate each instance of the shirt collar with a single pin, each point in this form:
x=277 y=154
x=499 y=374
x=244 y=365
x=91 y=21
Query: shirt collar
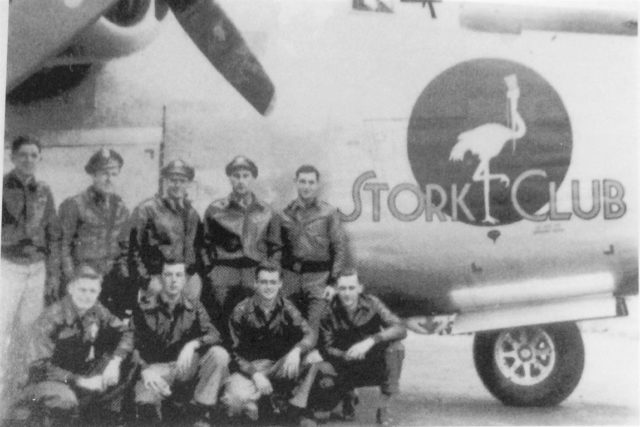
x=29 y=183
x=276 y=307
x=97 y=196
x=236 y=201
x=300 y=204
x=172 y=204
x=70 y=312
x=157 y=302
x=363 y=304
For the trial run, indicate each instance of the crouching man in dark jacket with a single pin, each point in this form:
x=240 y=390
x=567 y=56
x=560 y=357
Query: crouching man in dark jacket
x=270 y=337
x=360 y=343
x=81 y=358
x=179 y=351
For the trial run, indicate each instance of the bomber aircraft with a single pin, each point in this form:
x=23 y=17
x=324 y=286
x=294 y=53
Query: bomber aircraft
x=483 y=155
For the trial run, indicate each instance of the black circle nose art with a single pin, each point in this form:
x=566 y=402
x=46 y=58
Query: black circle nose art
x=480 y=125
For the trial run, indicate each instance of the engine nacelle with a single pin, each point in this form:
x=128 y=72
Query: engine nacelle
x=128 y=27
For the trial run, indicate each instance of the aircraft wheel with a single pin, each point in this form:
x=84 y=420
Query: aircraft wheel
x=530 y=365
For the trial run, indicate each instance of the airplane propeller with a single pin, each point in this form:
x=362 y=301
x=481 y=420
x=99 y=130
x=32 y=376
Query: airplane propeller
x=222 y=44
x=40 y=29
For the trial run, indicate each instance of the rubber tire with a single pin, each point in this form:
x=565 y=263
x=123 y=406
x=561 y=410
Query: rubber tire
x=560 y=383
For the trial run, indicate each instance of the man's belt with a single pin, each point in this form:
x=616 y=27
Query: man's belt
x=23 y=249
x=301 y=266
x=237 y=263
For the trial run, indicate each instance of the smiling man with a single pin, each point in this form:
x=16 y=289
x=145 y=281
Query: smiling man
x=360 y=343
x=30 y=265
x=269 y=338
x=239 y=234
x=80 y=352
x=94 y=226
x=179 y=351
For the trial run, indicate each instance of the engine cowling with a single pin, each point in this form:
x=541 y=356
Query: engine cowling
x=128 y=27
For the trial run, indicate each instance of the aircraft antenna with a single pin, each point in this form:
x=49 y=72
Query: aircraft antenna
x=161 y=151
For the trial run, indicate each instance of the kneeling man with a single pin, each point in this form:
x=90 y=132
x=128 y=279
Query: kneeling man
x=269 y=337
x=360 y=343
x=78 y=348
x=179 y=349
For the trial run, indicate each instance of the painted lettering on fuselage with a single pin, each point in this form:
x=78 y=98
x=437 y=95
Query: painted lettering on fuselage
x=607 y=200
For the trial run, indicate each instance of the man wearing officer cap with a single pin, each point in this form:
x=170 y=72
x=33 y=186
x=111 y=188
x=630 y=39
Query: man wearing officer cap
x=166 y=226
x=94 y=226
x=239 y=233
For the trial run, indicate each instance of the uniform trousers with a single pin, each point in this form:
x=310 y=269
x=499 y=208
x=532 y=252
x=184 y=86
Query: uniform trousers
x=241 y=390
x=306 y=291
x=42 y=396
x=229 y=286
x=22 y=288
x=381 y=367
x=207 y=371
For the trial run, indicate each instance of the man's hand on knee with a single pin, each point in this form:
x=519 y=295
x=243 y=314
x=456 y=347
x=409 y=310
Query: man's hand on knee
x=360 y=349
x=185 y=358
x=153 y=381
x=262 y=383
x=291 y=365
x=111 y=373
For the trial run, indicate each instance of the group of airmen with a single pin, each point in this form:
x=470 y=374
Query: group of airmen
x=159 y=315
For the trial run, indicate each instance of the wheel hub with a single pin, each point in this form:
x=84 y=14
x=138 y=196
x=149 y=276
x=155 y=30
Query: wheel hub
x=526 y=356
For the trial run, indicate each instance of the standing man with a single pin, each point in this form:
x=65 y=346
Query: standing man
x=239 y=234
x=30 y=266
x=94 y=228
x=269 y=338
x=80 y=352
x=314 y=246
x=179 y=349
x=360 y=343
x=166 y=227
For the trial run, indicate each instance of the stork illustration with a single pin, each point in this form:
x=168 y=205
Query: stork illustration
x=486 y=142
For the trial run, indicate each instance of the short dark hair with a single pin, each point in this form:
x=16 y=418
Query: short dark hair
x=25 y=140
x=271 y=268
x=85 y=271
x=173 y=261
x=308 y=169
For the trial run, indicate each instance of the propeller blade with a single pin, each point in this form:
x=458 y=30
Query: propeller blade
x=41 y=29
x=221 y=42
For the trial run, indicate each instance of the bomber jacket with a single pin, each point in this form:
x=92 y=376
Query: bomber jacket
x=236 y=233
x=312 y=233
x=64 y=343
x=161 y=230
x=30 y=226
x=94 y=231
x=255 y=336
x=161 y=333
x=371 y=318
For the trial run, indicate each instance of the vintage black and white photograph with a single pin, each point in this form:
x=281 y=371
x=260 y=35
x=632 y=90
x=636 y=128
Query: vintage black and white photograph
x=319 y=213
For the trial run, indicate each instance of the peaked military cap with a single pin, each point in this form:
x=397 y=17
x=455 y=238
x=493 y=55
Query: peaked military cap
x=179 y=167
x=242 y=162
x=103 y=159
